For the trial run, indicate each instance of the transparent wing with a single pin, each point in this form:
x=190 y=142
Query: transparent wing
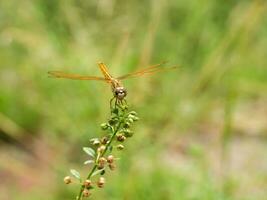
x=58 y=74
x=148 y=70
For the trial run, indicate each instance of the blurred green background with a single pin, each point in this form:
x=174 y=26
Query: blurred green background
x=203 y=127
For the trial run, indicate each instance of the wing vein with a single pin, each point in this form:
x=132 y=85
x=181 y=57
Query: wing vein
x=59 y=74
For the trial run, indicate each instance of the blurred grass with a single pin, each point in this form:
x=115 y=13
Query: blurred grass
x=195 y=140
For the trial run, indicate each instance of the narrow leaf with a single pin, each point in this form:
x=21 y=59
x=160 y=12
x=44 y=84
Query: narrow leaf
x=89 y=151
x=110 y=148
x=97 y=172
x=88 y=162
x=75 y=173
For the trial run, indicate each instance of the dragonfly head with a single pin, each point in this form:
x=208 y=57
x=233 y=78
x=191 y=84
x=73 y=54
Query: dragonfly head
x=120 y=93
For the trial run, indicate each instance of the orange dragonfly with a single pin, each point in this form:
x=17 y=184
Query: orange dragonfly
x=119 y=92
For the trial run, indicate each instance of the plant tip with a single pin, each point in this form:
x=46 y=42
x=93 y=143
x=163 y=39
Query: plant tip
x=67 y=180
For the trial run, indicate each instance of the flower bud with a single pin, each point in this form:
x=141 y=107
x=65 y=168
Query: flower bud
x=130 y=120
x=121 y=137
x=130 y=116
x=110 y=159
x=101 y=163
x=101 y=149
x=124 y=107
x=102 y=160
x=100 y=166
x=104 y=126
x=86 y=193
x=96 y=142
x=87 y=183
x=101 y=182
x=104 y=140
x=135 y=118
x=133 y=113
x=113 y=121
x=128 y=133
x=120 y=147
x=127 y=125
x=67 y=180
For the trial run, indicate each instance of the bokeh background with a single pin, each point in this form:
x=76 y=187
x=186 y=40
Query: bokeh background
x=203 y=127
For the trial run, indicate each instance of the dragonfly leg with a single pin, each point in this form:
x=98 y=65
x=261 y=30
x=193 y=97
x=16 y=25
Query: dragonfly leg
x=121 y=102
x=125 y=102
x=110 y=103
x=116 y=103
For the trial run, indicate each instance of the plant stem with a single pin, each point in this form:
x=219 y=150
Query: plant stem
x=102 y=154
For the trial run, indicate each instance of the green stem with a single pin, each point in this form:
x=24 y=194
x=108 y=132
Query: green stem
x=102 y=154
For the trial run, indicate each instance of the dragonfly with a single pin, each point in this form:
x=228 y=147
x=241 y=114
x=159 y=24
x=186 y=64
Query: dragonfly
x=118 y=90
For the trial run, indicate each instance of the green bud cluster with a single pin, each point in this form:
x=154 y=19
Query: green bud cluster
x=117 y=130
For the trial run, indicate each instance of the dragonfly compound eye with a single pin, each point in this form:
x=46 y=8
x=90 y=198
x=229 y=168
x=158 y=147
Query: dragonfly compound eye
x=120 y=93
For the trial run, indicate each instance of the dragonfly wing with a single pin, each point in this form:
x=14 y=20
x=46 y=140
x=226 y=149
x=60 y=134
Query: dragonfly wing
x=59 y=74
x=148 y=70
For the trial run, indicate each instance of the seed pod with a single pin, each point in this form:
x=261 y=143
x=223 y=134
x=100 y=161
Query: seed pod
x=120 y=147
x=102 y=160
x=87 y=183
x=110 y=159
x=104 y=140
x=101 y=149
x=86 y=193
x=67 y=180
x=121 y=137
x=101 y=182
x=101 y=163
x=100 y=166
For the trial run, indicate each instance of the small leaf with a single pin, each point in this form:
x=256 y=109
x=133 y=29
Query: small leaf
x=95 y=141
x=103 y=172
x=97 y=172
x=110 y=148
x=88 y=162
x=91 y=187
x=115 y=111
x=133 y=113
x=89 y=151
x=75 y=173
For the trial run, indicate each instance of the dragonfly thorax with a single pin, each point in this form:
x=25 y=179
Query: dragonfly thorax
x=120 y=93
